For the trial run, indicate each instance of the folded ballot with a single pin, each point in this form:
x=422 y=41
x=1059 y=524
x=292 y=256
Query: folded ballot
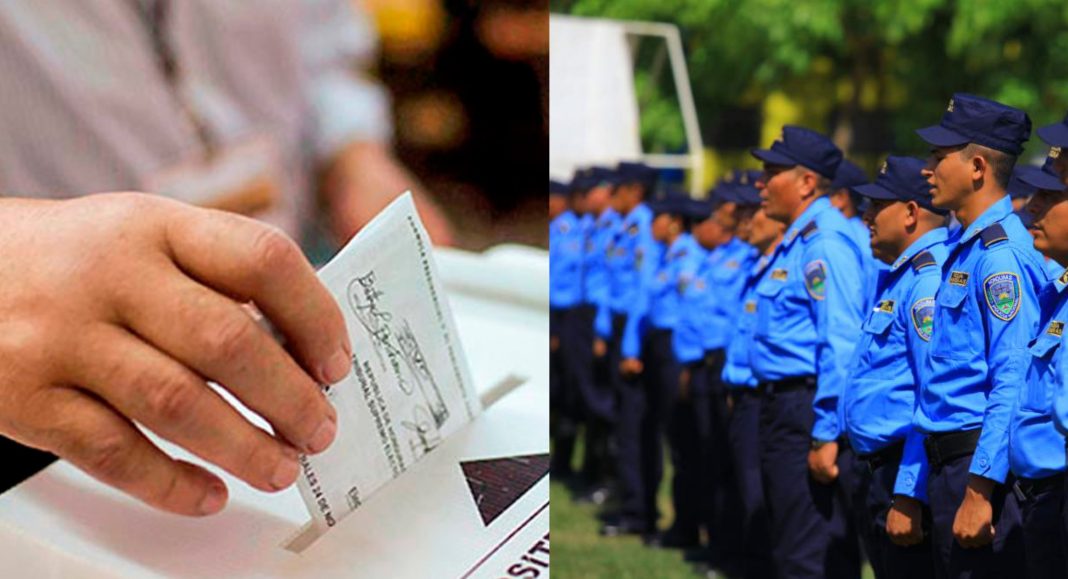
x=410 y=387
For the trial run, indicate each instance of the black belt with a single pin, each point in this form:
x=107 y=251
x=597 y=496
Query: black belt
x=1027 y=489
x=888 y=455
x=944 y=447
x=788 y=385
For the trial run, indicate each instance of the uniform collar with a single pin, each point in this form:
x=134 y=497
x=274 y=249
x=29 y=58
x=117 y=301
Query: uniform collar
x=607 y=216
x=565 y=217
x=818 y=206
x=1001 y=209
x=640 y=211
x=680 y=245
x=932 y=237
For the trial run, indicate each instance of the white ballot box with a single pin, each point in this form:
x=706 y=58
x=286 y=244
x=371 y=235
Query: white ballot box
x=477 y=505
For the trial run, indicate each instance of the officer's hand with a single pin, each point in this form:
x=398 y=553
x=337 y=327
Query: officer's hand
x=600 y=348
x=973 y=527
x=823 y=463
x=684 y=384
x=554 y=343
x=904 y=521
x=631 y=367
x=119 y=308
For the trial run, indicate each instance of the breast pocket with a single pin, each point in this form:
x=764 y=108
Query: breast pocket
x=769 y=297
x=1040 y=377
x=957 y=334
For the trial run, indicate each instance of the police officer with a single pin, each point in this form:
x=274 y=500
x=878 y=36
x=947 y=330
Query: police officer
x=907 y=233
x=986 y=312
x=1035 y=456
x=633 y=256
x=566 y=243
x=808 y=318
x=845 y=198
x=743 y=426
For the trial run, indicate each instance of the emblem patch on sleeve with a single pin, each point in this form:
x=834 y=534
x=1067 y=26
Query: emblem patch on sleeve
x=1002 y=292
x=923 y=318
x=816 y=279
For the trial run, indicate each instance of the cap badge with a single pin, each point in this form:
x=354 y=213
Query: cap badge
x=950 y=107
x=882 y=170
x=1054 y=152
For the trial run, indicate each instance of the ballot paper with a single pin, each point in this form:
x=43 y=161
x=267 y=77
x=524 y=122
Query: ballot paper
x=409 y=388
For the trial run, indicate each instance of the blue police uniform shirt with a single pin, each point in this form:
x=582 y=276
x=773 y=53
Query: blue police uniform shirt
x=566 y=244
x=986 y=312
x=597 y=276
x=710 y=302
x=809 y=308
x=1035 y=445
x=632 y=256
x=873 y=268
x=880 y=398
x=660 y=306
x=737 y=372
x=1060 y=389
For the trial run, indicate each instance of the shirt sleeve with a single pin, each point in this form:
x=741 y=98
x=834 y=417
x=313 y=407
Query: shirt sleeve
x=338 y=44
x=1009 y=328
x=836 y=308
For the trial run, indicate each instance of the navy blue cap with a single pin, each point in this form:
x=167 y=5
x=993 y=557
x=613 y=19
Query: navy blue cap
x=849 y=175
x=973 y=119
x=1017 y=188
x=627 y=173
x=1044 y=178
x=900 y=179
x=1055 y=134
x=700 y=209
x=582 y=181
x=745 y=189
x=603 y=176
x=558 y=188
x=805 y=147
x=673 y=201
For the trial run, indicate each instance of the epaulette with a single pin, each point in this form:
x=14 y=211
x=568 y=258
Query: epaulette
x=809 y=230
x=923 y=259
x=993 y=234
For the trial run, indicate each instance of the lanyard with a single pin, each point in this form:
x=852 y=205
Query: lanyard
x=155 y=15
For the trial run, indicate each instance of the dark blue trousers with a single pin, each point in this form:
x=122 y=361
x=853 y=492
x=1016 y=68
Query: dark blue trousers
x=871 y=503
x=689 y=433
x=640 y=429
x=1004 y=557
x=1043 y=530
x=744 y=435
x=808 y=519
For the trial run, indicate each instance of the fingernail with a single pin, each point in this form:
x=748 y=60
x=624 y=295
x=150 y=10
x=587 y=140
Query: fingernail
x=214 y=500
x=322 y=437
x=285 y=474
x=337 y=367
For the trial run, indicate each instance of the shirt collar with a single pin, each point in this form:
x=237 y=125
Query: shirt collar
x=932 y=237
x=993 y=214
x=681 y=243
x=640 y=211
x=607 y=216
x=818 y=206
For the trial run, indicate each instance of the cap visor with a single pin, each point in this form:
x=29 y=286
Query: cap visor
x=940 y=136
x=1042 y=180
x=873 y=191
x=772 y=158
x=1056 y=135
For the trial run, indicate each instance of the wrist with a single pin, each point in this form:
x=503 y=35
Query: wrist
x=979 y=487
x=818 y=443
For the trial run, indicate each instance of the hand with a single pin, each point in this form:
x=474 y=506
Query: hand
x=554 y=343
x=684 y=384
x=973 y=526
x=631 y=367
x=600 y=348
x=823 y=463
x=904 y=521
x=119 y=308
x=363 y=179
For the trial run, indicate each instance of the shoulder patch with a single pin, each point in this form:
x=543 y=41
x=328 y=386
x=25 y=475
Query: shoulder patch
x=923 y=259
x=923 y=318
x=816 y=279
x=958 y=278
x=1002 y=293
x=564 y=227
x=993 y=234
x=1056 y=328
x=809 y=230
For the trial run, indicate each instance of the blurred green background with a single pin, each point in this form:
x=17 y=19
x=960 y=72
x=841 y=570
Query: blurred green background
x=866 y=72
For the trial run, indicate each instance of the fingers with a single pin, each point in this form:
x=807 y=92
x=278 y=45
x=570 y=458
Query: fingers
x=213 y=336
x=149 y=387
x=108 y=447
x=251 y=261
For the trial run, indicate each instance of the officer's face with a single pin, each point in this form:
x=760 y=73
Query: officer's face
x=950 y=175
x=1049 y=223
x=557 y=205
x=763 y=230
x=886 y=221
x=598 y=198
x=780 y=191
x=664 y=226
